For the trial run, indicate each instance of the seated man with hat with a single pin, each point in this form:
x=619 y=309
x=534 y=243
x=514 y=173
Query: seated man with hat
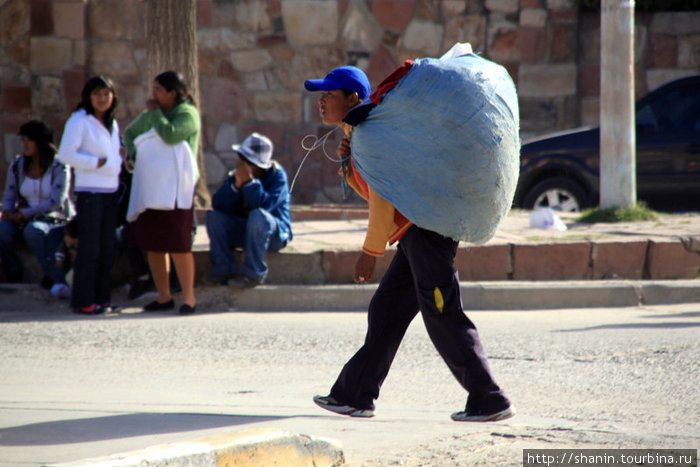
x=250 y=211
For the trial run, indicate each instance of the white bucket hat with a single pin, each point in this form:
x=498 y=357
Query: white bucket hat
x=256 y=149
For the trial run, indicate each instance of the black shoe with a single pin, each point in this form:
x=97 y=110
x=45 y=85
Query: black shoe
x=470 y=415
x=185 y=309
x=14 y=277
x=155 y=305
x=46 y=282
x=245 y=282
x=213 y=280
x=138 y=288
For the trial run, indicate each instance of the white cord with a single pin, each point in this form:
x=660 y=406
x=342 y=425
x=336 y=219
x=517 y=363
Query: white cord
x=316 y=143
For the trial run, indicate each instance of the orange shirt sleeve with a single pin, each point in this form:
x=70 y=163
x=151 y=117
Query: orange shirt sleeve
x=386 y=224
x=380 y=225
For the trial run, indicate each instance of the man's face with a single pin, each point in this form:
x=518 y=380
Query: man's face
x=242 y=165
x=334 y=105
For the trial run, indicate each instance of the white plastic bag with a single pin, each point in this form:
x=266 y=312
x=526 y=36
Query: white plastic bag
x=546 y=219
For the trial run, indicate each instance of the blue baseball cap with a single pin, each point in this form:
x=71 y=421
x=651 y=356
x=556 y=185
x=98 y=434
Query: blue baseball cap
x=344 y=77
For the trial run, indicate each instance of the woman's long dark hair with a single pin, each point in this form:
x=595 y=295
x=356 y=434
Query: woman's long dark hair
x=42 y=135
x=93 y=84
x=172 y=80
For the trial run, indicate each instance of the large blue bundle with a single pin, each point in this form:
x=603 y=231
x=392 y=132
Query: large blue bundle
x=443 y=146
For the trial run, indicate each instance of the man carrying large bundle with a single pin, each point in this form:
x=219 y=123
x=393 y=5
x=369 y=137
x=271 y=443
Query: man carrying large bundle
x=421 y=277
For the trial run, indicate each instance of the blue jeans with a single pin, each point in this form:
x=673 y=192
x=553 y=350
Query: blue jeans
x=42 y=238
x=257 y=234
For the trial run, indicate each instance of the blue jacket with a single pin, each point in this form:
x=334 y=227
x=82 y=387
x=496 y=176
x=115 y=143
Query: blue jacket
x=270 y=192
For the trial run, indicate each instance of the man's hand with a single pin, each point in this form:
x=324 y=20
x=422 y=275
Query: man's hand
x=364 y=268
x=244 y=174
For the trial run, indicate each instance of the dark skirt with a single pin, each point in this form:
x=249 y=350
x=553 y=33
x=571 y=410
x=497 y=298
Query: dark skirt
x=168 y=231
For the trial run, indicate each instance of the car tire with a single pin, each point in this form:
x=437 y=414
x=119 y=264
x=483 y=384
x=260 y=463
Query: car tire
x=557 y=193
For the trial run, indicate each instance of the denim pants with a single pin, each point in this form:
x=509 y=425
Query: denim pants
x=422 y=278
x=92 y=271
x=42 y=238
x=257 y=234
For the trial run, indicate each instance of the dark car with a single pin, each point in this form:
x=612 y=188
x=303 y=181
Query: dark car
x=561 y=171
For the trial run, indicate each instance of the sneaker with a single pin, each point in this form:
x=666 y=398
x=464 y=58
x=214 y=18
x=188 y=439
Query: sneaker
x=111 y=308
x=477 y=416
x=328 y=403
x=88 y=310
x=245 y=282
x=60 y=291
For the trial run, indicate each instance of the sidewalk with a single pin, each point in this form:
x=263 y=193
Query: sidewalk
x=327 y=241
x=653 y=250
x=620 y=264
x=588 y=265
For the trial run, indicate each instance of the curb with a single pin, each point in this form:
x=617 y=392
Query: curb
x=496 y=295
x=245 y=448
x=486 y=295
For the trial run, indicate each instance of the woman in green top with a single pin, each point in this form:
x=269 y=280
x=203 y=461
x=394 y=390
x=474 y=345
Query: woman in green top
x=165 y=233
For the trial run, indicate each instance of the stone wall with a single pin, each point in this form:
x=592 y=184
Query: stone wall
x=254 y=56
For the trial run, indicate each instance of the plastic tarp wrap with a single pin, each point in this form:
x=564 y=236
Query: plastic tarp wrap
x=443 y=146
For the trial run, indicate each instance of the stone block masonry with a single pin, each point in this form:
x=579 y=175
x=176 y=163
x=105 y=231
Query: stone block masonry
x=255 y=56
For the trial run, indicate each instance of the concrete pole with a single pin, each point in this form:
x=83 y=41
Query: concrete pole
x=618 y=186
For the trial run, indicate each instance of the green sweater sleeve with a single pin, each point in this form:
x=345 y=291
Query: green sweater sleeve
x=181 y=123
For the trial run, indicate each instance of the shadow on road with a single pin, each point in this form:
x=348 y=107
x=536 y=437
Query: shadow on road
x=113 y=427
x=664 y=325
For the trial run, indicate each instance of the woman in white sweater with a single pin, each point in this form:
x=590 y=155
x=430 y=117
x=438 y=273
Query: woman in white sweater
x=91 y=145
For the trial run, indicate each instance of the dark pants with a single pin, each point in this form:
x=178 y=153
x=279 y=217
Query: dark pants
x=421 y=277
x=97 y=222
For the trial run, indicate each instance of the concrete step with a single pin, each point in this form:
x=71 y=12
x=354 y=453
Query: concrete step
x=324 y=251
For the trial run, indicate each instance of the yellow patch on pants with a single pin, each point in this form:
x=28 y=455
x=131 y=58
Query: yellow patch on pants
x=439 y=301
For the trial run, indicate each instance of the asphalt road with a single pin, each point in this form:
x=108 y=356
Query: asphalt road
x=76 y=387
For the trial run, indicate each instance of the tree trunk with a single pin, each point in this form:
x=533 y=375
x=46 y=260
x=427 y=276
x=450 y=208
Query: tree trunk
x=172 y=45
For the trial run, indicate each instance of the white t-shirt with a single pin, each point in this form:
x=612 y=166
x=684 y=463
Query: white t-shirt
x=36 y=190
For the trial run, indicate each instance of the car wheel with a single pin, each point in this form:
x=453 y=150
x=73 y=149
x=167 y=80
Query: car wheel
x=557 y=193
